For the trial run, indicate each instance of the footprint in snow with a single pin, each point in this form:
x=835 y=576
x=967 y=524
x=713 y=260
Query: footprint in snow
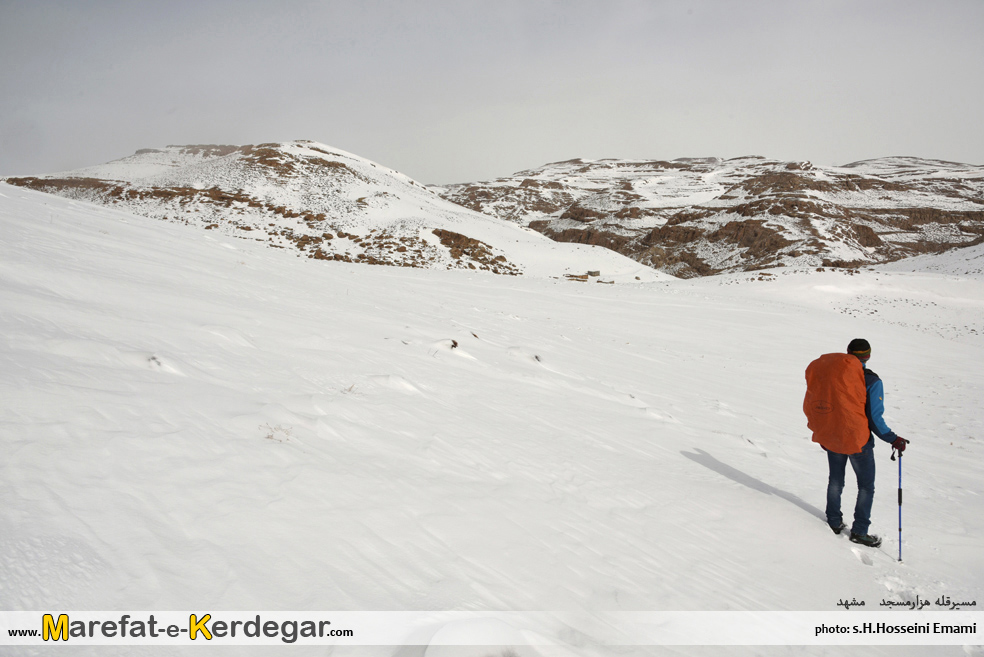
x=899 y=589
x=862 y=557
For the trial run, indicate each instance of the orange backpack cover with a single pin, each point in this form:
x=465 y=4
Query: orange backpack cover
x=834 y=403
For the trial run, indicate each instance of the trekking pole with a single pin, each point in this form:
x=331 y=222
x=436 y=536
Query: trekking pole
x=900 y=502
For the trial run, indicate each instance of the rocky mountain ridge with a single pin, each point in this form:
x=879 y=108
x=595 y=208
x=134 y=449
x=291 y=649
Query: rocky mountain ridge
x=702 y=216
x=325 y=204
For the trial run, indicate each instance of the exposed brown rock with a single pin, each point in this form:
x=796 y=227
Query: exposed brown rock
x=769 y=214
x=205 y=150
x=783 y=182
x=866 y=236
x=680 y=263
x=752 y=234
x=471 y=251
x=594 y=236
x=580 y=213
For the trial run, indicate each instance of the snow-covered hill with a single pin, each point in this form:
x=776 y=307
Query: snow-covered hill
x=191 y=423
x=693 y=217
x=325 y=204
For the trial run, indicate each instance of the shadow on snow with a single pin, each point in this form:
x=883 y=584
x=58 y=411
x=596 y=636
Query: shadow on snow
x=708 y=461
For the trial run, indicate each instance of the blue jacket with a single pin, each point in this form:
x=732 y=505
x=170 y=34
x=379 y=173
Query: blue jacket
x=874 y=407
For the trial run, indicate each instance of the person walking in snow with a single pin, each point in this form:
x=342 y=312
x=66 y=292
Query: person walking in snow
x=832 y=406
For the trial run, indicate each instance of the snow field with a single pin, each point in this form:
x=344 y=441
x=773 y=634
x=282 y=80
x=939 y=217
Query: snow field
x=195 y=421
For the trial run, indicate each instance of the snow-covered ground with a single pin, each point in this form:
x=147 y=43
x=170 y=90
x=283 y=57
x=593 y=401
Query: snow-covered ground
x=195 y=421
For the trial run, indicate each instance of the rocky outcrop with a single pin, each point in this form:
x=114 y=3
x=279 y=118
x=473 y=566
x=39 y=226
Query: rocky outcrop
x=461 y=246
x=697 y=217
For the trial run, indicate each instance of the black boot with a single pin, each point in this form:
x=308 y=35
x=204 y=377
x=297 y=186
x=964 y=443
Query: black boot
x=871 y=540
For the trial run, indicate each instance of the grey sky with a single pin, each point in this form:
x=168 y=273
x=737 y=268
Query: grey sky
x=461 y=91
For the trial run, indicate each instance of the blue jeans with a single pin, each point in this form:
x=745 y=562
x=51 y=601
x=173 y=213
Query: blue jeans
x=864 y=469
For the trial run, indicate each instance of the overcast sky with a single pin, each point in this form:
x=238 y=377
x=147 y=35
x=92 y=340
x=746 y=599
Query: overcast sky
x=462 y=91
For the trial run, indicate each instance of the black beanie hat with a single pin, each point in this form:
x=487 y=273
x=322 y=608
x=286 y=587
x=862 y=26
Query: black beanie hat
x=860 y=348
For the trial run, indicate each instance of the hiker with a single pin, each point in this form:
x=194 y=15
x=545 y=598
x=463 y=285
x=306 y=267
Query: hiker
x=833 y=407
